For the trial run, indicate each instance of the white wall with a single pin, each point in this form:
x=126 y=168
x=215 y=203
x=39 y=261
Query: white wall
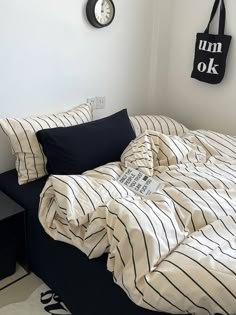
x=159 y=54
x=197 y=104
x=51 y=58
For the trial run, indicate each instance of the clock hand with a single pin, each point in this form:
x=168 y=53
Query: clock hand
x=102 y=7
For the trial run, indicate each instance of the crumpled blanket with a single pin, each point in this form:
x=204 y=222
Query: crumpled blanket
x=172 y=251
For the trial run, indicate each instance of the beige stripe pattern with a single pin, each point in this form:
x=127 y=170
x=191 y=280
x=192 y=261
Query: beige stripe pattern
x=158 y=123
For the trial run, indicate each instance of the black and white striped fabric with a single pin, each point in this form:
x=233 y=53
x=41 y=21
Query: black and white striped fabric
x=158 y=123
x=172 y=251
x=30 y=159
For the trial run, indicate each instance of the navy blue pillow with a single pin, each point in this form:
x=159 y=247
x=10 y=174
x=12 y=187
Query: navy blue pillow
x=73 y=150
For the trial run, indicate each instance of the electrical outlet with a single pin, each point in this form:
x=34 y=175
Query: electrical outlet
x=92 y=101
x=100 y=102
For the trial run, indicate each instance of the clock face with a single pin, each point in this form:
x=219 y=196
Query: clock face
x=104 y=11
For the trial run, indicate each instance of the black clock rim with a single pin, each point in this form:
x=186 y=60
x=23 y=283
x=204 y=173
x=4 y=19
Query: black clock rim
x=90 y=12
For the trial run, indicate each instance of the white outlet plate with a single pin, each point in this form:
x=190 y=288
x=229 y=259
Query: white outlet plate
x=100 y=102
x=92 y=101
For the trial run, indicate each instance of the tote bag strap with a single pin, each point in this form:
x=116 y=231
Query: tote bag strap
x=222 y=17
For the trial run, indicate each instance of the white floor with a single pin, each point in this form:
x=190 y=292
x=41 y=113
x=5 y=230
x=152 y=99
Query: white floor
x=20 y=290
x=28 y=296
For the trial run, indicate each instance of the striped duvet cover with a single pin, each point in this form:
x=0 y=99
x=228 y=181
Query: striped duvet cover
x=172 y=251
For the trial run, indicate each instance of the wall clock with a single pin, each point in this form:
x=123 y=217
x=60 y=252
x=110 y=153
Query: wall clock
x=100 y=13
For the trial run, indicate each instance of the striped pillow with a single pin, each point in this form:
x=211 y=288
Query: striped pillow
x=30 y=159
x=158 y=123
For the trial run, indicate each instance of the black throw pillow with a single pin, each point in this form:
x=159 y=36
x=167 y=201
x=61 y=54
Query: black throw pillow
x=75 y=149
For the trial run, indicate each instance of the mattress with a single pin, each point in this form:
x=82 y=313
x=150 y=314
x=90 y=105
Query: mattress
x=84 y=285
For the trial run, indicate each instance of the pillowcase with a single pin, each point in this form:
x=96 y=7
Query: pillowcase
x=158 y=123
x=30 y=159
x=76 y=149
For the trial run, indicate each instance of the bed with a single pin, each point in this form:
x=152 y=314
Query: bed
x=170 y=251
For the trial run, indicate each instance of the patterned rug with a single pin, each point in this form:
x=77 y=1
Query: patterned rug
x=43 y=301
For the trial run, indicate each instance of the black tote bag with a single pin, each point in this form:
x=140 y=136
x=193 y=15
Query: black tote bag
x=211 y=50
